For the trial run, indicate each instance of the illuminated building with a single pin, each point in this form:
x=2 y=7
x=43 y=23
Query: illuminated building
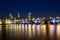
x=29 y=16
x=18 y=16
x=10 y=16
x=31 y=19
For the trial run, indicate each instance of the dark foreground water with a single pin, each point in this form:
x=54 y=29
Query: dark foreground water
x=29 y=32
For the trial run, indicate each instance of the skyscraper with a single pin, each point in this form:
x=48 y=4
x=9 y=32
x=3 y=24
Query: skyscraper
x=29 y=15
x=10 y=16
x=18 y=15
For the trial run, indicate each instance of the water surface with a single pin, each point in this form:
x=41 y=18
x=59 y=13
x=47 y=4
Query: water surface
x=30 y=32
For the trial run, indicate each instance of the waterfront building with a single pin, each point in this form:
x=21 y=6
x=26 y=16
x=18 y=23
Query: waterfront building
x=18 y=15
x=10 y=16
x=29 y=16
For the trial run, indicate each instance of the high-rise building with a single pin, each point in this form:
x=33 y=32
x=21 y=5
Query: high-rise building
x=10 y=16
x=18 y=15
x=29 y=15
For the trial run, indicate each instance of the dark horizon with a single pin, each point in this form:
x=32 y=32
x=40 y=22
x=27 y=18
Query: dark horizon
x=38 y=8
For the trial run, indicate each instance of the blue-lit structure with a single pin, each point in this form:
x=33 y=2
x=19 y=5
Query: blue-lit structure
x=37 y=21
x=52 y=21
x=31 y=20
x=55 y=21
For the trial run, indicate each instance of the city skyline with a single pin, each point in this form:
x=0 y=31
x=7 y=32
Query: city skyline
x=38 y=8
x=29 y=19
x=19 y=15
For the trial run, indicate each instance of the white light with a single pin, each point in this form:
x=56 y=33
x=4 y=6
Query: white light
x=53 y=21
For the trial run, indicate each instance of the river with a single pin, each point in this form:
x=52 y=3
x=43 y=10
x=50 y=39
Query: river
x=30 y=32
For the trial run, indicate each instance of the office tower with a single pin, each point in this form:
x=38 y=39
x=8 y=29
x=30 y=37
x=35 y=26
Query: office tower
x=18 y=15
x=29 y=15
x=10 y=16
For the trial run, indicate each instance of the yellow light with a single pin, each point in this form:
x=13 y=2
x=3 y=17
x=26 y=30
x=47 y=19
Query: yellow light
x=0 y=22
x=38 y=30
x=33 y=19
x=44 y=29
x=58 y=31
x=50 y=17
x=22 y=29
x=29 y=18
x=29 y=28
x=25 y=18
x=0 y=28
x=19 y=20
x=51 y=30
x=33 y=30
x=7 y=21
x=38 y=18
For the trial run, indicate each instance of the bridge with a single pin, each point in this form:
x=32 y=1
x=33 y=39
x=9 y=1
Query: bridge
x=26 y=21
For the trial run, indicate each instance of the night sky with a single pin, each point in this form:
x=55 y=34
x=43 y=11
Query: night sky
x=38 y=8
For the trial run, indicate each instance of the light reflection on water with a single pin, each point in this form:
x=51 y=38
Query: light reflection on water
x=0 y=32
x=29 y=31
x=58 y=32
